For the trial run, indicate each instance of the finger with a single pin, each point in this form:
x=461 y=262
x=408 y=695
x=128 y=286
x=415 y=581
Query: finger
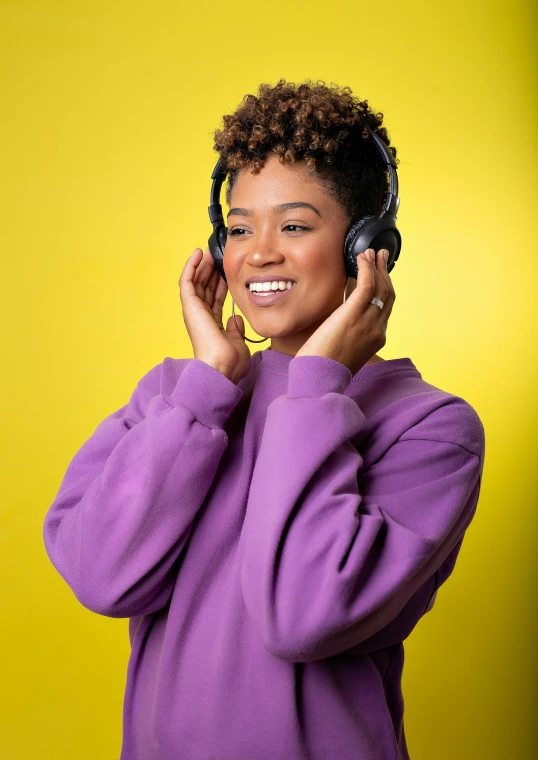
x=381 y=291
x=203 y=274
x=218 y=301
x=387 y=287
x=374 y=286
x=365 y=289
x=381 y=266
x=186 y=286
x=203 y=264
x=211 y=287
x=232 y=329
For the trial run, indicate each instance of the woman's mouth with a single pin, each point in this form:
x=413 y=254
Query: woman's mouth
x=267 y=297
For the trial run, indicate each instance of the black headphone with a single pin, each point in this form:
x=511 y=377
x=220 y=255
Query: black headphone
x=368 y=232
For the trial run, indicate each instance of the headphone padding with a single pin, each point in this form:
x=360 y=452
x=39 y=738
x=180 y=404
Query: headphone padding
x=217 y=243
x=350 y=258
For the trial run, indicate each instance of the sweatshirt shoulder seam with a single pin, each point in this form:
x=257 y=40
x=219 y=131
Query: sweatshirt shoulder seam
x=450 y=443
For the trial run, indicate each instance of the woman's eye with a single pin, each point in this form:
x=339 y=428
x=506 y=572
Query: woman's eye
x=233 y=233
x=297 y=227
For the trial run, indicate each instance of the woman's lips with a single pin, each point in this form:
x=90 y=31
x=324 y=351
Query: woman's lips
x=268 y=300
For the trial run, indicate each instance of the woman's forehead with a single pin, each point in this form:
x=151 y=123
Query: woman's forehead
x=277 y=184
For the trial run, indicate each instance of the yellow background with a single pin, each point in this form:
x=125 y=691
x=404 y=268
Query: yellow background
x=107 y=114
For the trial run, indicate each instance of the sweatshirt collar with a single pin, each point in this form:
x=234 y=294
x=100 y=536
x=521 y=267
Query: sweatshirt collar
x=278 y=363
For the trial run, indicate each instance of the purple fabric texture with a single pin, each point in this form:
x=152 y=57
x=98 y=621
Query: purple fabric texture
x=273 y=543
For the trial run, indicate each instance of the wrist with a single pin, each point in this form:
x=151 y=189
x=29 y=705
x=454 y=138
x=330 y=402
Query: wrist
x=218 y=367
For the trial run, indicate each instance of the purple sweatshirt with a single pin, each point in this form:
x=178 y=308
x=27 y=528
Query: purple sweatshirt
x=273 y=542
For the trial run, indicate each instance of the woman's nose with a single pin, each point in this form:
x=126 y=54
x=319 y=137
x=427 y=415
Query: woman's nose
x=263 y=247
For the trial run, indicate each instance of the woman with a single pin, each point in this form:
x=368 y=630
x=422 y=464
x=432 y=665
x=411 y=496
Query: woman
x=275 y=525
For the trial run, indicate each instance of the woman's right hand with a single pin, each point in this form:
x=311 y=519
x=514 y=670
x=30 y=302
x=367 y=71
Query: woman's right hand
x=203 y=291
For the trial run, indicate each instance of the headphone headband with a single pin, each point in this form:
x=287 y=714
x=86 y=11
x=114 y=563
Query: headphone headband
x=392 y=201
x=215 y=209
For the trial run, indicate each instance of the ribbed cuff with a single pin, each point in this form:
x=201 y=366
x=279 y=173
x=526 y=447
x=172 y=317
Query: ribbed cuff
x=312 y=376
x=206 y=393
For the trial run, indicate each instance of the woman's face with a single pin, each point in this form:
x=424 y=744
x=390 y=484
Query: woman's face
x=302 y=243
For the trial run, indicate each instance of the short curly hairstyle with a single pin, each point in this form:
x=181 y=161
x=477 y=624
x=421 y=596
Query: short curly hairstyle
x=324 y=126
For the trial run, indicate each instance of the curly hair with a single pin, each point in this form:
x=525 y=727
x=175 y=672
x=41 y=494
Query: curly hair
x=324 y=126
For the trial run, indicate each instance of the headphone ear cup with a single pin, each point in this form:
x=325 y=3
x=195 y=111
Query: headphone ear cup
x=355 y=232
x=223 y=237
x=371 y=232
x=217 y=243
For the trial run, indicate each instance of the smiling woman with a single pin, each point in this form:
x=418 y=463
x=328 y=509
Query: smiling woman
x=305 y=154
x=275 y=525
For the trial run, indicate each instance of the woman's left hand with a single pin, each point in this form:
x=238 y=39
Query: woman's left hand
x=356 y=330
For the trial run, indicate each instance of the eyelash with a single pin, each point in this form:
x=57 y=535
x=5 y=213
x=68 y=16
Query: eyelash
x=298 y=226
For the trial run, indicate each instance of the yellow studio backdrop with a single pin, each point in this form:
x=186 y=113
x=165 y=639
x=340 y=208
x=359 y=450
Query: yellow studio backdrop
x=107 y=115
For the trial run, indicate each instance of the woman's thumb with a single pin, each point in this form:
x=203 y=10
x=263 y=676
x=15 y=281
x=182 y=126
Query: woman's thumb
x=231 y=328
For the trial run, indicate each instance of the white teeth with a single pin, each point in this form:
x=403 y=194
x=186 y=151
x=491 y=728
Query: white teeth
x=276 y=285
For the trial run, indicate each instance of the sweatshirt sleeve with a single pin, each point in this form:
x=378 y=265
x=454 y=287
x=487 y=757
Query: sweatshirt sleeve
x=325 y=568
x=126 y=505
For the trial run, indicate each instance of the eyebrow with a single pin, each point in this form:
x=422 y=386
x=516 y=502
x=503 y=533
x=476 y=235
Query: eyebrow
x=276 y=209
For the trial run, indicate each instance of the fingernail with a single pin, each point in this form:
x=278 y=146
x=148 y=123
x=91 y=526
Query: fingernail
x=386 y=255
